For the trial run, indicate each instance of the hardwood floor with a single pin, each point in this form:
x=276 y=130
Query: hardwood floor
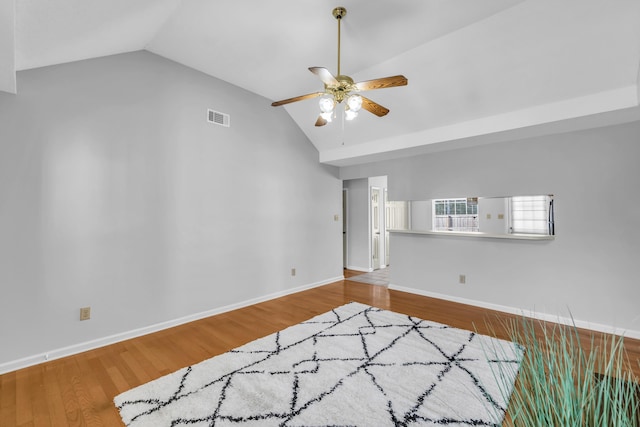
x=79 y=390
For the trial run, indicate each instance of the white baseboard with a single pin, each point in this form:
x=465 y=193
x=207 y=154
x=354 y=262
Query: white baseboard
x=521 y=312
x=112 y=339
x=354 y=268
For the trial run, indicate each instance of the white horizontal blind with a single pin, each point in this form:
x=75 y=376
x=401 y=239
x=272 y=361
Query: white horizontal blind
x=530 y=214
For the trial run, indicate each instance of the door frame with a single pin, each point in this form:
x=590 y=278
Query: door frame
x=345 y=227
x=373 y=266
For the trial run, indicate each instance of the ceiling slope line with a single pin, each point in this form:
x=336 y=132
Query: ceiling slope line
x=162 y=25
x=8 y=79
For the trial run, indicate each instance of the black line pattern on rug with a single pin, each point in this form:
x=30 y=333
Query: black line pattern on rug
x=452 y=359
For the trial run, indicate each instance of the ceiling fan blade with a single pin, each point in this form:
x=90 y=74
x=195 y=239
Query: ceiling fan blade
x=297 y=98
x=374 y=107
x=321 y=121
x=326 y=76
x=382 y=83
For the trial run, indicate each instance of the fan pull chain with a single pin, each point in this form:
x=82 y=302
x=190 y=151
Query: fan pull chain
x=342 y=128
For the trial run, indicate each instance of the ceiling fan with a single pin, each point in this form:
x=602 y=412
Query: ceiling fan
x=342 y=88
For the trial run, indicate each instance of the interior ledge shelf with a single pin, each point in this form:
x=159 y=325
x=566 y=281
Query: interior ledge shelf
x=476 y=234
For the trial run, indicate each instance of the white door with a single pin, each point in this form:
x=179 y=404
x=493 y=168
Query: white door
x=344 y=228
x=386 y=228
x=375 y=228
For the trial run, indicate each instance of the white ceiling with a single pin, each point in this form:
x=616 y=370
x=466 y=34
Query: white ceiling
x=478 y=71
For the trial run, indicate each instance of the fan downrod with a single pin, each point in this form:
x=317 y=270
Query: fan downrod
x=339 y=13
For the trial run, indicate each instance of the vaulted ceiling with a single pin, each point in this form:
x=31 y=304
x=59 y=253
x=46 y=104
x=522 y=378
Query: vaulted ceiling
x=479 y=71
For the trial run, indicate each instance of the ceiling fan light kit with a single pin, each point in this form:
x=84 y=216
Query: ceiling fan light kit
x=341 y=88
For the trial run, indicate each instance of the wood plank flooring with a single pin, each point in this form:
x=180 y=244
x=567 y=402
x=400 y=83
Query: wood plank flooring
x=79 y=390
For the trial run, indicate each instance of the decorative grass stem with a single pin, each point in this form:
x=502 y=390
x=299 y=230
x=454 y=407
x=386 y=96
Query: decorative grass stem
x=564 y=381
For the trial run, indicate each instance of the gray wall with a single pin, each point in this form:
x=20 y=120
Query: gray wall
x=116 y=193
x=494 y=207
x=358 y=244
x=421 y=215
x=590 y=269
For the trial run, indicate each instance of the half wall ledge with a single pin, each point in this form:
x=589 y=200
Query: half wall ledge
x=478 y=234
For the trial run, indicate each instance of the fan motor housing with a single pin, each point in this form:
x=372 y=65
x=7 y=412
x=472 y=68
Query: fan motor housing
x=342 y=90
x=339 y=12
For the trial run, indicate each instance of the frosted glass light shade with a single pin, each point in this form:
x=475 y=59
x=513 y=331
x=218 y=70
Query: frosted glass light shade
x=354 y=102
x=326 y=104
x=326 y=116
x=350 y=114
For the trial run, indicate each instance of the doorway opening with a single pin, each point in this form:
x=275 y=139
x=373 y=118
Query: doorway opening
x=366 y=245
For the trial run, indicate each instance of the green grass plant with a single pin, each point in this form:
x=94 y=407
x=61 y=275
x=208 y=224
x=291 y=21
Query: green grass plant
x=565 y=381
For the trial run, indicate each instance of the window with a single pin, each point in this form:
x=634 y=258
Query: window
x=532 y=215
x=455 y=214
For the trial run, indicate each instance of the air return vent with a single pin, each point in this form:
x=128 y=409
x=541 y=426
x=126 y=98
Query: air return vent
x=218 y=118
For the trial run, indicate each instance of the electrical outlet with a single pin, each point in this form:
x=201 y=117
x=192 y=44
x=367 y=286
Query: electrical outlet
x=293 y=272
x=488 y=216
x=85 y=313
x=463 y=279
x=500 y=216
x=336 y=217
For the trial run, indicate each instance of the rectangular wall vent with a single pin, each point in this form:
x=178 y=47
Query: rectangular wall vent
x=218 y=118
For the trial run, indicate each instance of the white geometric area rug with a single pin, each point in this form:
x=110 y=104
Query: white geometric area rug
x=353 y=366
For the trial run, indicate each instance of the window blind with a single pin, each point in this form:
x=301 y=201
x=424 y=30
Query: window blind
x=530 y=214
